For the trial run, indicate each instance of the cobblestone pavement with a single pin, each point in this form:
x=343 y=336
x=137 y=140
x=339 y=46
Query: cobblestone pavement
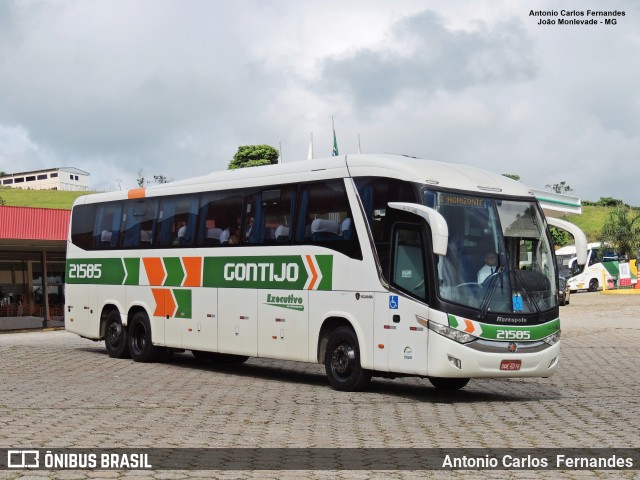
x=58 y=390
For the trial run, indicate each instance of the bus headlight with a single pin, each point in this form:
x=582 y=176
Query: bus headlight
x=452 y=333
x=552 y=339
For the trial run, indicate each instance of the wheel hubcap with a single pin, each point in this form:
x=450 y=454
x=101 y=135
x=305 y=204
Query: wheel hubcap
x=114 y=334
x=139 y=338
x=342 y=359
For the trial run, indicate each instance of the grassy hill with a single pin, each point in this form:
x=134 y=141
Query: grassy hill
x=16 y=197
x=591 y=220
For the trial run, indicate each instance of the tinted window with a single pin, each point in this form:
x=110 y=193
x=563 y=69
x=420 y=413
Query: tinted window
x=324 y=218
x=82 y=223
x=139 y=223
x=408 y=271
x=177 y=221
x=375 y=194
x=269 y=216
x=220 y=218
x=107 y=225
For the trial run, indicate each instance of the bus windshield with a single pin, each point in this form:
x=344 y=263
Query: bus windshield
x=499 y=259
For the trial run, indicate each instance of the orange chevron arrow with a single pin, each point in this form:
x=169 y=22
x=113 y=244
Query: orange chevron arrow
x=314 y=274
x=470 y=328
x=193 y=267
x=165 y=303
x=155 y=270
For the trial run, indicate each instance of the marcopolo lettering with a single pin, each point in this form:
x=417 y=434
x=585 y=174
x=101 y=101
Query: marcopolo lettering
x=261 y=272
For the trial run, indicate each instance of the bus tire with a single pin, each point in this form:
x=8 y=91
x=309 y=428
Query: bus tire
x=115 y=336
x=342 y=361
x=442 y=383
x=140 y=346
x=593 y=285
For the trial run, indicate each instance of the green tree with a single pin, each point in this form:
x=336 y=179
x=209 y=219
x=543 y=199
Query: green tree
x=253 y=156
x=610 y=202
x=161 y=179
x=560 y=237
x=561 y=187
x=141 y=180
x=622 y=230
x=2 y=202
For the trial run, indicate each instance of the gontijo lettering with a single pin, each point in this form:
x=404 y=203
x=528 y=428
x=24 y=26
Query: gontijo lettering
x=261 y=272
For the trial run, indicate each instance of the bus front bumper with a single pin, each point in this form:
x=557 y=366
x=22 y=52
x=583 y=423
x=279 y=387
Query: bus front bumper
x=450 y=359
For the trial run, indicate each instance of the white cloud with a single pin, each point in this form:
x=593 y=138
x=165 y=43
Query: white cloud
x=175 y=87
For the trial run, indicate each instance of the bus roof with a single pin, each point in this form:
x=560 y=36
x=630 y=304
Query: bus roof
x=430 y=172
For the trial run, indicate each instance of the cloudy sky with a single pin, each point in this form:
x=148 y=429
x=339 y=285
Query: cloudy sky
x=174 y=87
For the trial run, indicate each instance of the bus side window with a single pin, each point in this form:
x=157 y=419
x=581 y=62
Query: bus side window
x=82 y=224
x=220 y=215
x=107 y=226
x=269 y=214
x=139 y=221
x=324 y=218
x=375 y=194
x=177 y=219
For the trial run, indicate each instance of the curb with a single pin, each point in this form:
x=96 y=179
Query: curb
x=629 y=291
x=29 y=330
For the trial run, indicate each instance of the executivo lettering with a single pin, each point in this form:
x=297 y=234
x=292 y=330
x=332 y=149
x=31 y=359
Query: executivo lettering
x=291 y=301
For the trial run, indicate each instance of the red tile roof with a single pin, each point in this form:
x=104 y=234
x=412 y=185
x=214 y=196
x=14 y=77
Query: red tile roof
x=29 y=223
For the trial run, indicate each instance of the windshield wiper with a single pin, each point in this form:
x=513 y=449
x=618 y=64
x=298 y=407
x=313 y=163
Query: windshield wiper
x=491 y=290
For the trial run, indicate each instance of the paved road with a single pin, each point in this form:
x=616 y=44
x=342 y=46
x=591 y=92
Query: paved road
x=58 y=390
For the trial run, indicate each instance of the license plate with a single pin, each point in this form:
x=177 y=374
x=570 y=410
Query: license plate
x=510 y=364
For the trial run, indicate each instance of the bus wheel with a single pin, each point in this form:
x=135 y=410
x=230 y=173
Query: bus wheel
x=115 y=336
x=593 y=285
x=342 y=362
x=442 y=383
x=140 y=346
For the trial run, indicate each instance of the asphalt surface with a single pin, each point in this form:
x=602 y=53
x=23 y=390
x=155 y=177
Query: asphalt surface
x=59 y=391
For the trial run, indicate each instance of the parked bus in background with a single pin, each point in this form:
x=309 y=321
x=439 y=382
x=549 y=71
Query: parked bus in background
x=366 y=264
x=589 y=276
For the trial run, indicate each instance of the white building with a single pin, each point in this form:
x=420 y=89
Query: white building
x=67 y=178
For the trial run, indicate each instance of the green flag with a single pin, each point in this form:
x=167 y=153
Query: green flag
x=335 y=152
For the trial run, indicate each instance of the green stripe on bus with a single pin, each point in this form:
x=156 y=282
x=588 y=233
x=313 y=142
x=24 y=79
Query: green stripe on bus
x=183 y=300
x=175 y=272
x=537 y=332
x=132 y=265
x=287 y=272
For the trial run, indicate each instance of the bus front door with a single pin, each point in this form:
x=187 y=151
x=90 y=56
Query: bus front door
x=407 y=338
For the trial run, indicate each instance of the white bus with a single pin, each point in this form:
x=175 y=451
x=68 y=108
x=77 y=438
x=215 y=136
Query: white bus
x=589 y=275
x=366 y=264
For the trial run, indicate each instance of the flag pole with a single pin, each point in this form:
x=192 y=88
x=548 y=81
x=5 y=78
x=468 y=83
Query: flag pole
x=310 y=154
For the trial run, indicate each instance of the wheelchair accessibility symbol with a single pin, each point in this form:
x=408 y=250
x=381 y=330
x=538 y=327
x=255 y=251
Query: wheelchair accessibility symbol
x=393 y=302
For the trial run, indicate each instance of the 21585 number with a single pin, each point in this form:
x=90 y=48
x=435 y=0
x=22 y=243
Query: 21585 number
x=85 y=270
x=513 y=335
